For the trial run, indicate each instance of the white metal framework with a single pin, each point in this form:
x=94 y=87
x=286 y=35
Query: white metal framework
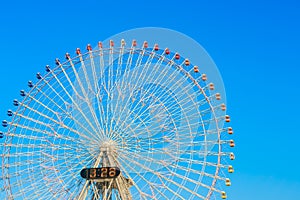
x=146 y=110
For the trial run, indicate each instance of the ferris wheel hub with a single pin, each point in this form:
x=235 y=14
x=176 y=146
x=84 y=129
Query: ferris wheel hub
x=108 y=146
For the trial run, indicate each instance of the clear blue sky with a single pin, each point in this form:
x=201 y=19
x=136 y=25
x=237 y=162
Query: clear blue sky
x=255 y=44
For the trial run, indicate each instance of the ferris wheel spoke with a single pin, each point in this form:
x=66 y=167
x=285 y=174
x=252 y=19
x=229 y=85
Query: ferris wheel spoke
x=133 y=76
x=163 y=178
x=115 y=85
x=32 y=98
x=85 y=95
x=146 y=66
x=181 y=96
x=32 y=188
x=68 y=173
x=144 y=179
x=169 y=114
x=109 y=84
x=191 y=180
x=110 y=64
x=140 y=76
x=43 y=132
x=96 y=133
x=54 y=112
x=196 y=182
x=203 y=163
x=96 y=85
x=102 y=85
x=129 y=113
x=162 y=75
x=127 y=67
x=60 y=123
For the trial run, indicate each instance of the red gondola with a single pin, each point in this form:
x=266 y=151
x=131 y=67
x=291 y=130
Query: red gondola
x=145 y=44
x=100 y=45
x=78 y=52
x=167 y=51
x=89 y=47
x=134 y=43
x=196 y=69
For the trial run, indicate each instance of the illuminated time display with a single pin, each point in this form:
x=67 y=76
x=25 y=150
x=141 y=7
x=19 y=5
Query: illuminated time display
x=100 y=173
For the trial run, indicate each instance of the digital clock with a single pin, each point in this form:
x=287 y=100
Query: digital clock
x=100 y=173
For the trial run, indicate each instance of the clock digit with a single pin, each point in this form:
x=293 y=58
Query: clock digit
x=93 y=173
x=112 y=172
x=104 y=171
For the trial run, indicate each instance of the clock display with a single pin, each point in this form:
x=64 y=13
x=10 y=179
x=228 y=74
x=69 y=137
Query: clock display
x=100 y=173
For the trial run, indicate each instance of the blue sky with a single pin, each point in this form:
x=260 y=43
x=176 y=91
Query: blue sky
x=255 y=44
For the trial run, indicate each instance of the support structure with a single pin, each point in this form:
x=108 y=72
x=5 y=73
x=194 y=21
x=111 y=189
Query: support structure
x=107 y=189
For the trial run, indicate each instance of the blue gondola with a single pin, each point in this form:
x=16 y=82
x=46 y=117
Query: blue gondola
x=1 y=135
x=57 y=62
x=38 y=75
x=22 y=93
x=67 y=56
x=48 y=68
x=30 y=84
x=16 y=102
x=9 y=113
x=4 y=123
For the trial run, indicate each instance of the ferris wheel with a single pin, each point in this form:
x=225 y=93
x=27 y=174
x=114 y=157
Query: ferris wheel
x=124 y=120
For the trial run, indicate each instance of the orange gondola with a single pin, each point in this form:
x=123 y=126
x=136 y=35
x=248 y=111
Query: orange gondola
x=232 y=156
x=204 y=77
x=223 y=195
x=111 y=43
x=227 y=182
x=223 y=107
x=218 y=96
x=187 y=62
x=230 y=131
x=227 y=118
x=231 y=143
